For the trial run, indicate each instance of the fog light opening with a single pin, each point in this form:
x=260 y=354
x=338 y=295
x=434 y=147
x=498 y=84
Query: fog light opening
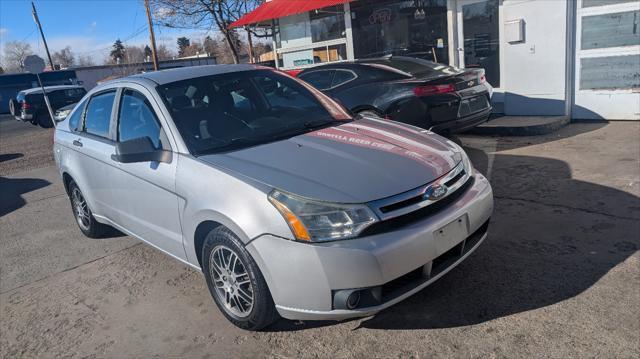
x=353 y=300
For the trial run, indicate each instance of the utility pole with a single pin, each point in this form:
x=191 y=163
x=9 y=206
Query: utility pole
x=154 y=54
x=37 y=20
x=250 y=43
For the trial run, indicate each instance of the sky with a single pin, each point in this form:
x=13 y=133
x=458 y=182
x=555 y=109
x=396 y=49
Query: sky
x=89 y=27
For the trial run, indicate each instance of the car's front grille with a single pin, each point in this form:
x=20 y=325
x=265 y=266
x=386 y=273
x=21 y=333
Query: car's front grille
x=407 y=282
x=395 y=223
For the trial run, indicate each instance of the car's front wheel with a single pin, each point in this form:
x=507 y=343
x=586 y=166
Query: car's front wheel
x=81 y=212
x=235 y=281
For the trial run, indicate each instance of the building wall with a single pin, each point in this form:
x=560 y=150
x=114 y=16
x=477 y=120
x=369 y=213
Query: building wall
x=534 y=70
x=91 y=76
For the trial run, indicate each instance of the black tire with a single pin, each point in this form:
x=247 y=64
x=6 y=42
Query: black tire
x=262 y=311
x=89 y=226
x=13 y=106
x=43 y=119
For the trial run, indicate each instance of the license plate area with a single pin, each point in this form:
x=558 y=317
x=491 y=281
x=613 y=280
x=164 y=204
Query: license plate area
x=472 y=105
x=451 y=234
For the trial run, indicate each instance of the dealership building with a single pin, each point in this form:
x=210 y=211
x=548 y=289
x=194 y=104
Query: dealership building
x=579 y=58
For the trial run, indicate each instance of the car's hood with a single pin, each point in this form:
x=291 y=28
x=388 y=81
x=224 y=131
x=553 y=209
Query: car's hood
x=357 y=162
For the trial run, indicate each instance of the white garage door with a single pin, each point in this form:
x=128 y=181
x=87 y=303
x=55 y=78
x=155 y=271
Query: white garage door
x=607 y=60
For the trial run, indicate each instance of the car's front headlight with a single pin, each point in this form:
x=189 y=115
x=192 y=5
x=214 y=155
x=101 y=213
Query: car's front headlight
x=461 y=155
x=466 y=162
x=315 y=221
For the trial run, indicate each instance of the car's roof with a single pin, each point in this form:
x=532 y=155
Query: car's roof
x=50 y=88
x=362 y=62
x=182 y=73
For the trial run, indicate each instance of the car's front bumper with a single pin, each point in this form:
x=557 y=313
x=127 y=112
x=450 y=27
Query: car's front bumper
x=303 y=277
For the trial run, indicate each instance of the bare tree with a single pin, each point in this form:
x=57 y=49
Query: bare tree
x=209 y=13
x=164 y=53
x=14 y=54
x=64 y=57
x=194 y=48
x=85 y=60
x=134 y=54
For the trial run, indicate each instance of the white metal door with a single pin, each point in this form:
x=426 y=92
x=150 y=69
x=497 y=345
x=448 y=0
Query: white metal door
x=607 y=72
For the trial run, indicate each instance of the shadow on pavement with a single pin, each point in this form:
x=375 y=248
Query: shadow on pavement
x=11 y=191
x=509 y=143
x=10 y=156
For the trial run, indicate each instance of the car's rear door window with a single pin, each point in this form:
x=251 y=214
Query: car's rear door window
x=137 y=119
x=98 y=116
x=320 y=79
x=341 y=77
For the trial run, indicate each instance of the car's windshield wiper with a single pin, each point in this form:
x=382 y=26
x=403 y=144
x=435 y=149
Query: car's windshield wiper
x=322 y=123
x=228 y=144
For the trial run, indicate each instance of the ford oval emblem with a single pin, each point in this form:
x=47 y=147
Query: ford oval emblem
x=435 y=192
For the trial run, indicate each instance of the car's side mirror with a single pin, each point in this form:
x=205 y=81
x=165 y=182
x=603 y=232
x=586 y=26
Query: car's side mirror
x=140 y=150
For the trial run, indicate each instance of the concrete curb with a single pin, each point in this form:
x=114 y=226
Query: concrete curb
x=521 y=125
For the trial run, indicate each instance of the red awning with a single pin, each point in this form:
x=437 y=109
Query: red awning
x=275 y=9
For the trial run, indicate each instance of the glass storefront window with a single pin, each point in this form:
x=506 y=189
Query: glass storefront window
x=410 y=28
x=327 y=23
x=481 y=38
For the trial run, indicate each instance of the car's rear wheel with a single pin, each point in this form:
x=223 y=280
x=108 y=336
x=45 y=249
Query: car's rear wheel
x=13 y=106
x=235 y=281
x=44 y=120
x=81 y=212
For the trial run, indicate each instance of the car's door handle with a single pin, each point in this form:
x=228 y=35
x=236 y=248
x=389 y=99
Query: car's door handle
x=77 y=143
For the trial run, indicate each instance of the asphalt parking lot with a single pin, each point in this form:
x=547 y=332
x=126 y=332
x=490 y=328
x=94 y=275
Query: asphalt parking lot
x=559 y=275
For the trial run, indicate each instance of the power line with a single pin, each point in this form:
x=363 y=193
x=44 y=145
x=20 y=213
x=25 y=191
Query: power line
x=131 y=36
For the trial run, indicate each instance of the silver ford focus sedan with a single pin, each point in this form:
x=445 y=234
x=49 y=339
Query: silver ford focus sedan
x=288 y=205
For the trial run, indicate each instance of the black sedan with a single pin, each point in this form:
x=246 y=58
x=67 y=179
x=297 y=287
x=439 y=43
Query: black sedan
x=410 y=90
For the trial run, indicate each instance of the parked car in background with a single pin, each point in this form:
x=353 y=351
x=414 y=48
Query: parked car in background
x=287 y=204
x=409 y=90
x=29 y=105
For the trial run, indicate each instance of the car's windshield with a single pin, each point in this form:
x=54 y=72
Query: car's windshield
x=240 y=109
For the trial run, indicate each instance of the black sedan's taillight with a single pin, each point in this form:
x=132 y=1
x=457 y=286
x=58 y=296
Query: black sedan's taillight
x=429 y=90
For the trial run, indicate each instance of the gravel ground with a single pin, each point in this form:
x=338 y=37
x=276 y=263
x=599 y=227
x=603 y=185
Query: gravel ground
x=559 y=275
x=23 y=146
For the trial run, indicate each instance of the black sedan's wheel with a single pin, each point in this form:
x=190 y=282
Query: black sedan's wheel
x=235 y=281
x=86 y=222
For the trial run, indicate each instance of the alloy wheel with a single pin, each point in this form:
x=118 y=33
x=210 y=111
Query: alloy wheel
x=231 y=280
x=80 y=209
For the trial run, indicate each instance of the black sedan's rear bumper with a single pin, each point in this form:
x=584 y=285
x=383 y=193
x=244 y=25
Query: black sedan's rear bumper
x=463 y=123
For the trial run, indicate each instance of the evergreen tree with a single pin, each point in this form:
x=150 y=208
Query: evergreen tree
x=117 y=52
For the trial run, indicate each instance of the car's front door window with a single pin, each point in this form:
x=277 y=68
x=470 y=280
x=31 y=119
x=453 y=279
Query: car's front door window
x=98 y=116
x=137 y=119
